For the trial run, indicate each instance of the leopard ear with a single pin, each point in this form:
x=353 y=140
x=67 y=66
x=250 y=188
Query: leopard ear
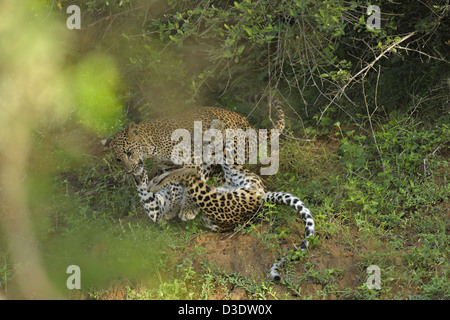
x=105 y=142
x=133 y=132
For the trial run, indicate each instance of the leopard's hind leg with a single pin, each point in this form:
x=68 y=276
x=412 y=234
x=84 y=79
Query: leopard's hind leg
x=225 y=206
x=166 y=202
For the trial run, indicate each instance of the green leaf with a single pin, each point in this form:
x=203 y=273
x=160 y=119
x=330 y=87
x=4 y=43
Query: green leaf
x=227 y=53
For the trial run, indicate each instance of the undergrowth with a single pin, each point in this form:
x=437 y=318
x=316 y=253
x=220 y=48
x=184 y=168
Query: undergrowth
x=354 y=188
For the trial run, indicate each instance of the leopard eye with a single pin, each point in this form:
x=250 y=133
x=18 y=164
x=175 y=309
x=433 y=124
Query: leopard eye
x=128 y=154
x=118 y=160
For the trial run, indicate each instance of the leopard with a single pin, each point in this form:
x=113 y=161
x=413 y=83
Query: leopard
x=184 y=191
x=153 y=139
x=238 y=197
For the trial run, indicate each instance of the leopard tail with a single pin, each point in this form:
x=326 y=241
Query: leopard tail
x=283 y=198
x=272 y=102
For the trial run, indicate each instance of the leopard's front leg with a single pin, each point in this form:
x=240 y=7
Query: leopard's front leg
x=156 y=205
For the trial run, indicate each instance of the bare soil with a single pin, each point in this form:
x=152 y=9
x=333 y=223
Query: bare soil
x=245 y=254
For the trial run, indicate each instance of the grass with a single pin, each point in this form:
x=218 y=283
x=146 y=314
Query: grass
x=372 y=206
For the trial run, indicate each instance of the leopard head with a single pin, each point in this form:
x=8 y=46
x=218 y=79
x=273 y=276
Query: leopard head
x=127 y=147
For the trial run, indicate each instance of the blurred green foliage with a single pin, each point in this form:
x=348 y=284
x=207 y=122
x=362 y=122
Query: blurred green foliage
x=95 y=88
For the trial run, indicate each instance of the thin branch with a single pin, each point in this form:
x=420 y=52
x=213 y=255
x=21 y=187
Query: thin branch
x=364 y=71
x=425 y=54
x=371 y=125
x=295 y=138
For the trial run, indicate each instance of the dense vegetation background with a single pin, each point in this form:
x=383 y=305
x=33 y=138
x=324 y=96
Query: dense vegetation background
x=366 y=145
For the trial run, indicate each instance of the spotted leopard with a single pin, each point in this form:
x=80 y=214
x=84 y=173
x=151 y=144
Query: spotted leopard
x=185 y=193
x=153 y=140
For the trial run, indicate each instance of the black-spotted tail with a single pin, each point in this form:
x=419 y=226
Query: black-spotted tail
x=295 y=203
